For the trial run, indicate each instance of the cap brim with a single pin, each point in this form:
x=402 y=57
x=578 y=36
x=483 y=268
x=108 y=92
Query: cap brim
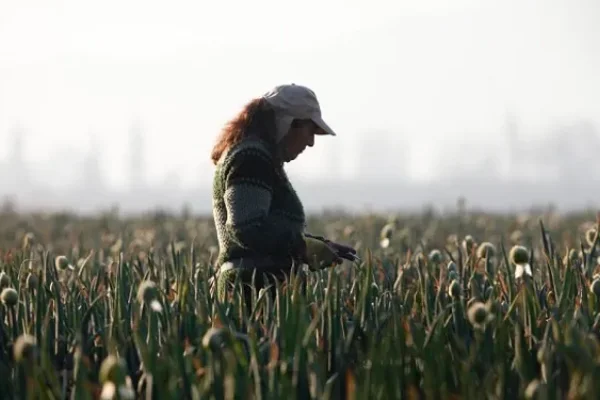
x=323 y=125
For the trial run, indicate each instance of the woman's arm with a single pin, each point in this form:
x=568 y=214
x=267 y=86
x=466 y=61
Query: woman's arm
x=249 y=178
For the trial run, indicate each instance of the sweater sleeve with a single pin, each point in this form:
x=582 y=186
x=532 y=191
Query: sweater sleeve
x=249 y=179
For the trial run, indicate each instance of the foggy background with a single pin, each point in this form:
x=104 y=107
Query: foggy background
x=119 y=103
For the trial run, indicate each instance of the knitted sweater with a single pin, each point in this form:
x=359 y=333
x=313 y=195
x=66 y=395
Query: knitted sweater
x=255 y=208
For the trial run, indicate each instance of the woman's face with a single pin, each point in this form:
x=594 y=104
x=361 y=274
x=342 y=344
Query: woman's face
x=301 y=135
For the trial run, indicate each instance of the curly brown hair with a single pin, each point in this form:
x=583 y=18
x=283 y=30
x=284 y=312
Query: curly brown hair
x=256 y=118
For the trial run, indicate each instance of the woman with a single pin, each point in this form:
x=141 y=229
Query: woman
x=258 y=216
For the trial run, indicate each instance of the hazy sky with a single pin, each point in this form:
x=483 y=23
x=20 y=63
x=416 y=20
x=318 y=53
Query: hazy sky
x=426 y=72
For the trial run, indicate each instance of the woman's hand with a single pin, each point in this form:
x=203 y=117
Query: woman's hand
x=343 y=251
x=319 y=254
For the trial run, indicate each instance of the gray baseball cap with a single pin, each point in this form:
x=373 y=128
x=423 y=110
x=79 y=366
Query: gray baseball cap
x=297 y=102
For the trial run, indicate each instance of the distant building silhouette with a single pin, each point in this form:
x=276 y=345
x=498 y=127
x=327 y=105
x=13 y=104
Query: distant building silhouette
x=136 y=156
x=381 y=157
x=92 y=177
x=17 y=174
x=559 y=167
x=575 y=148
x=514 y=153
x=564 y=153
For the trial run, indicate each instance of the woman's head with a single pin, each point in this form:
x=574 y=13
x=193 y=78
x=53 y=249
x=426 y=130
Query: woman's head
x=300 y=135
x=288 y=116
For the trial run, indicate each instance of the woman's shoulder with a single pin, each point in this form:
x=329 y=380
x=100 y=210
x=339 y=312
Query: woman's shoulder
x=249 y=148
x=249 y=161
